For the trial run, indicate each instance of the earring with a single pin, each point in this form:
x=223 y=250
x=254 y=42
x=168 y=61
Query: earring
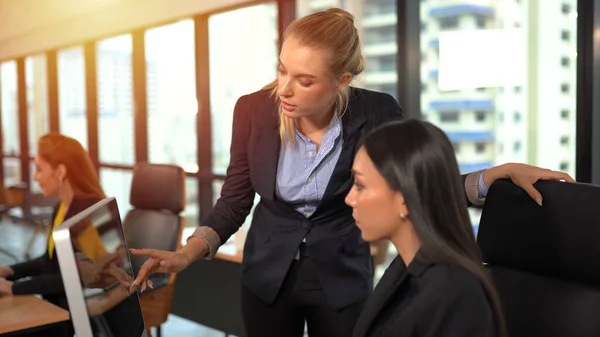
x=402 y=216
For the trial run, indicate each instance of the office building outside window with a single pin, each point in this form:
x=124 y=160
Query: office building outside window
x=504 y=47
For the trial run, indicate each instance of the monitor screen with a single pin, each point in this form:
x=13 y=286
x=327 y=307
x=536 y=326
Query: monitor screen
x=97 y=271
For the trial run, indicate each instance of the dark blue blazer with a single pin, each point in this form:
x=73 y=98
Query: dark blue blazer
x=341 y=256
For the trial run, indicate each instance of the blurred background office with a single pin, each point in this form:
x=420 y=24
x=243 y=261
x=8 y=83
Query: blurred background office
x=156 y=81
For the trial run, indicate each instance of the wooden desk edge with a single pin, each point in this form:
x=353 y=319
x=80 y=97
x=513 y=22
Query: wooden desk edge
x=57 y=315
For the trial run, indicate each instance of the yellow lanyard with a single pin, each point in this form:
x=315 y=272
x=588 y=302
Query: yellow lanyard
x=58 y=219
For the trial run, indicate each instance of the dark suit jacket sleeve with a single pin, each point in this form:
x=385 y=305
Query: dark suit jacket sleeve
x=456 y=310
x=392 y=111
x=41 y=284
x=29 y=268
x=237 y=193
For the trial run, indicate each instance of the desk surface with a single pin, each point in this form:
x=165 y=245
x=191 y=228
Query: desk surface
x=26 y=312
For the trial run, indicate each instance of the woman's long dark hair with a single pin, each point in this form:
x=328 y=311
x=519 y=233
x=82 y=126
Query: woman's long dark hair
x=417 y=159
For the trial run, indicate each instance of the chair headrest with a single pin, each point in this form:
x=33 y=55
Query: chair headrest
x=561 y=239
x=158 y=187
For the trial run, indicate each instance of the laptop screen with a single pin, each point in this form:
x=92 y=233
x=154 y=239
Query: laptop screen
x=96 y=269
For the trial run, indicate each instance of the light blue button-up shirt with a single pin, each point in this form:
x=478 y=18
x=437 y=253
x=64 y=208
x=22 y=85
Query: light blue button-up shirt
x=482 y=188
x=303 y=172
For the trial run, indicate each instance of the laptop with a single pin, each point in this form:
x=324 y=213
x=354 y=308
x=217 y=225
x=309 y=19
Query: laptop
x=99 y=301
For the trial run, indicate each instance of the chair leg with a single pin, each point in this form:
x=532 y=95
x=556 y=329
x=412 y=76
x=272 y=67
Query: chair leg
x=158 y=331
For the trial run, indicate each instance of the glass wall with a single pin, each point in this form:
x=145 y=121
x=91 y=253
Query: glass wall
x=71 y=94
x=36 y=82
x=115 y=100
x=171 y=95
x=10 y=108
x=232 y=76
x=500 y=78
x=10 y=122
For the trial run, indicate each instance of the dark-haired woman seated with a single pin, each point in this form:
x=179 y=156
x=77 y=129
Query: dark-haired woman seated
x=408 y=190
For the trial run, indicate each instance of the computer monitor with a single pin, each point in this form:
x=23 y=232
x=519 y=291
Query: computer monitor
x=99 y=304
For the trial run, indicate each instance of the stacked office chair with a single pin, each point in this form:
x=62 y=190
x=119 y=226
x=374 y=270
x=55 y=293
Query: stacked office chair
x=544 y=261
x=158 y=198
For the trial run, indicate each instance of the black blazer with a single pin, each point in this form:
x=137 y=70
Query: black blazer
x=44 y=272
x=341 y=256
x=426 y=300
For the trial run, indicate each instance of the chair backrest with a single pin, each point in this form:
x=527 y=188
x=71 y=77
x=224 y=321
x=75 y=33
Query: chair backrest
x=157 y=197
x=37 y=207
x=544 y=261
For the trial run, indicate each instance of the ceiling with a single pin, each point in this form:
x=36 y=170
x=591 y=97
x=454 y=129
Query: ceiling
x=18 y=17
x=33 y=26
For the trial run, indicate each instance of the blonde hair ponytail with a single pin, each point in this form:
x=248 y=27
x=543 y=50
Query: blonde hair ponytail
x=332 y=30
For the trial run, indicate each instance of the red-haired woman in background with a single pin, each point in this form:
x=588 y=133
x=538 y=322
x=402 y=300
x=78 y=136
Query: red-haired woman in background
x=63 y=168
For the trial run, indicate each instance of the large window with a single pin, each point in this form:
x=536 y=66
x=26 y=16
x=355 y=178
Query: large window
x=117 y=183
x=508 y=82
x=71 y=94
x=376 y=23
x=115 y=100
x=10 y=122
x=232 y=76
x=36 y=82
x=9 y=108
x=171 y=92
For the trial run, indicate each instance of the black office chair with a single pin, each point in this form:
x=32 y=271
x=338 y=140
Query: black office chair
x=544 y=261
x=158 y=198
